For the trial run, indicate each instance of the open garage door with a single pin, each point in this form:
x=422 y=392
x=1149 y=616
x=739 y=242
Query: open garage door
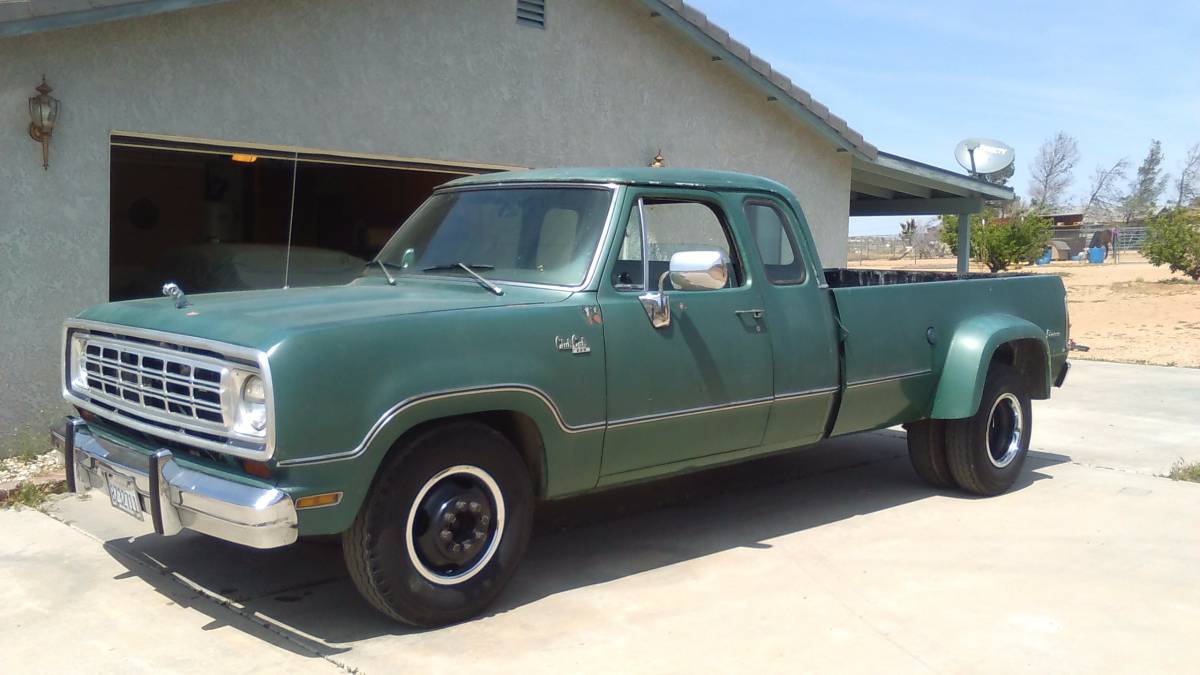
x=218 y=217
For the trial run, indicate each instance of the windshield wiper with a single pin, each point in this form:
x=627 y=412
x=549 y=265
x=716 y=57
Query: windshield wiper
x=384 y=266
x=458 y=265
x=470 y=269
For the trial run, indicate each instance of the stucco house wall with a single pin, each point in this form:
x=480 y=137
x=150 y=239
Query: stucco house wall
x=604 y=84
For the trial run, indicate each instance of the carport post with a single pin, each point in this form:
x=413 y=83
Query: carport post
x=964 y=242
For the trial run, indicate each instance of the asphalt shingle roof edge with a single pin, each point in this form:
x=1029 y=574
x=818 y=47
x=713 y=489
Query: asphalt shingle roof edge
x=766 y=72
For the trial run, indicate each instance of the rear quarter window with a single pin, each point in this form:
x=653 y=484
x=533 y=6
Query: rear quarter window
x=775 y=242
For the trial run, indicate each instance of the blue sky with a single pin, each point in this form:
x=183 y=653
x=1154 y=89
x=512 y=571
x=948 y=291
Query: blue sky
x=915 y=77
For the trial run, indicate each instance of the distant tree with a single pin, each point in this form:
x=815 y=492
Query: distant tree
x=1187 y=188
x=1104 y=193
x=1147 y=187
x=908 y=229
x=1000 y=243
x=948 y=230
x=1173 y=239
x=1052 y=171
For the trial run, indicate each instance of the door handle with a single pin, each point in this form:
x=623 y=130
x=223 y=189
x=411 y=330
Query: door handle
x=754 y=313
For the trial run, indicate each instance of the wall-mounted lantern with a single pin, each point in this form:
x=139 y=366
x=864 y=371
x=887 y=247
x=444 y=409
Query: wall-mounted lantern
x=659 y=161
x=43 y=113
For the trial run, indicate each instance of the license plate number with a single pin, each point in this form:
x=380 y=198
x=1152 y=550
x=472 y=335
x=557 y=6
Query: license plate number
x=123 y=495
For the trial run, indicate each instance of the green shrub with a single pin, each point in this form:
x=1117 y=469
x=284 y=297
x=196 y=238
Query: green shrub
x=1184 y=471
x=1173 y=239
x=1000 y=243
x=30 y=495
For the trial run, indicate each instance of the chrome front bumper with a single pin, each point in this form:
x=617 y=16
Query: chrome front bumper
x=174 y=496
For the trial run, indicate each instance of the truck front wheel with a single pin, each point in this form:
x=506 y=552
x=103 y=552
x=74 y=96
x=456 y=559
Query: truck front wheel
x=444 y=527
x=986 y=452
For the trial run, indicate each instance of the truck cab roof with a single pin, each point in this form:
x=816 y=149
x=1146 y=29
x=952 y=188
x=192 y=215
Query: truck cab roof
x=677 y=178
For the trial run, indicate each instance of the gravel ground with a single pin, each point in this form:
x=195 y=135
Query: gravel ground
x=19 y=469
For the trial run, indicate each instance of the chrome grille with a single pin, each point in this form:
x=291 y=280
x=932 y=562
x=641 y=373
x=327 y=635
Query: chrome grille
x=155 y=381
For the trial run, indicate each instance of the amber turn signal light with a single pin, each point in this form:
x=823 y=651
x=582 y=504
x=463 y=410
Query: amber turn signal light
x=256 y=468
x=314 y=501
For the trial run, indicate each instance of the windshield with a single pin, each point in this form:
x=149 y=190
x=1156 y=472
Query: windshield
x=537 y=235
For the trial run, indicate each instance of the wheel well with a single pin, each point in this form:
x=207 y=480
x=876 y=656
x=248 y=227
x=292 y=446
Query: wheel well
x=1028 y=358
x=518 y=428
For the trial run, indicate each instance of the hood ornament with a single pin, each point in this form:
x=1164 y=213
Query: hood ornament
x=173 y=291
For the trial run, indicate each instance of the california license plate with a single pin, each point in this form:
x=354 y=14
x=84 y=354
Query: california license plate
x=123 y=495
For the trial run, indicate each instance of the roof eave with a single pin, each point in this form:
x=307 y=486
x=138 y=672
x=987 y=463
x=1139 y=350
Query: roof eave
x=982 y=188
x=775 y=86
x=132 y=10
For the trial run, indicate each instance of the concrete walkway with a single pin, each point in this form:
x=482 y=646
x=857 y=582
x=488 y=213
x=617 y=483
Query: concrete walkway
x=834 y=558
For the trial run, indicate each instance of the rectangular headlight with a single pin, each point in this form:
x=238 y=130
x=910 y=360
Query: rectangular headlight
x=76 y=375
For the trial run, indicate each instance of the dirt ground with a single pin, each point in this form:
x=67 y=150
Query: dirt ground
x=1129 y=311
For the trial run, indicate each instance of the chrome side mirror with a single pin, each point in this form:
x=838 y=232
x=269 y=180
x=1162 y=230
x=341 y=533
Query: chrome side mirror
x=689 y=271
x=698 y=271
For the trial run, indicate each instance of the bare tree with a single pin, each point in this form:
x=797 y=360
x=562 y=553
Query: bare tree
x=1051 y=170
x=1104 y=195
x=1188 y=186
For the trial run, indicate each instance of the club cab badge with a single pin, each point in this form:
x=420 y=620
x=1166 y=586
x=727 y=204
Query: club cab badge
x=575 y=344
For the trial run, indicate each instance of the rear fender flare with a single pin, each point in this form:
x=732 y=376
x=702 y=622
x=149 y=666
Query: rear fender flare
x=975 y=341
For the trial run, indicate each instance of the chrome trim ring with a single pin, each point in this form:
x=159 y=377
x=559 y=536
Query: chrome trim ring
x=1004 y=432
x=485 y=480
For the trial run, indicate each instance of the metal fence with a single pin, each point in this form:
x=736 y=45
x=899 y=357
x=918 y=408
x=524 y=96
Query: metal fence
x=880 y=247
x=1070 y=241
x=875 y=247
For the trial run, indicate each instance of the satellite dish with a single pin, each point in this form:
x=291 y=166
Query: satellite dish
x=984 y=156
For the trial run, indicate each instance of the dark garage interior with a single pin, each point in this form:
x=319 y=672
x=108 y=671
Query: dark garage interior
x=217 y=218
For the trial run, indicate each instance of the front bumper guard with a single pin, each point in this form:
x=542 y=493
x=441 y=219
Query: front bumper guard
x=176 y=497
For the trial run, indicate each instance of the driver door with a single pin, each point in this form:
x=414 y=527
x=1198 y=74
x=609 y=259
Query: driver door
x=701 y=385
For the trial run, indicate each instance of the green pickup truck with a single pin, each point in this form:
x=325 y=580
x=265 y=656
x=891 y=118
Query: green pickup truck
x=531 y=335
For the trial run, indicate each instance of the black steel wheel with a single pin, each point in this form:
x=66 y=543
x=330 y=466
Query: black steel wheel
x=444 y=527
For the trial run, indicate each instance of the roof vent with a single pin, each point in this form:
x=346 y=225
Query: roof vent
x=532 y=13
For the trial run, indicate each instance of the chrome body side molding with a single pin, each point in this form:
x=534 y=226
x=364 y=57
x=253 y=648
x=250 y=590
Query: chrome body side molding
x=545 y=398
x=426 y=398
x=888 y=378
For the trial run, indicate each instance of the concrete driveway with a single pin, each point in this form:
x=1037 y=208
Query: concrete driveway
x=1123 y=416
x=830 y=559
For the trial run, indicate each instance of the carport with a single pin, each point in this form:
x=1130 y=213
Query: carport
x=890 y=185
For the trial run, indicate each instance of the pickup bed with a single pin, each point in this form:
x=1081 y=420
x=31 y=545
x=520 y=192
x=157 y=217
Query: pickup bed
x=526 y=336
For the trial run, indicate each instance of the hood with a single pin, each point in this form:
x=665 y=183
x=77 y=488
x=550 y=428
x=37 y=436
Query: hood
x=261 y=319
